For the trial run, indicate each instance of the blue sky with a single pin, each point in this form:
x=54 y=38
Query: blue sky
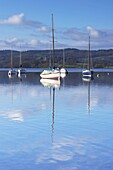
x=27 y=24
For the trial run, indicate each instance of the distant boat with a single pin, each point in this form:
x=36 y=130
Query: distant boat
x=63 y=71
x=21 y=70
x=11 y=72
x=88 y=72
x=51 y=72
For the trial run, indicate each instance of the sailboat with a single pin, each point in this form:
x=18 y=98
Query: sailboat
x=88 y=72
x=11 y=72
x=21 y=71
x=63 y=71
x=51 y=72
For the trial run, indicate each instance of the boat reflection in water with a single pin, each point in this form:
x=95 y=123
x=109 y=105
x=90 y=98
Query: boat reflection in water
x=52 y=84
x=88 y=80
x=22 y=76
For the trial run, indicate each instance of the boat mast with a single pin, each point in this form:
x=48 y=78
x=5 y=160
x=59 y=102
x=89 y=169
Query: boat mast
x=89 y=55
x=50 y=62
x=11 y=60
x=20 y=60
x=20 y=64
x=63 y=58
x=52 y=41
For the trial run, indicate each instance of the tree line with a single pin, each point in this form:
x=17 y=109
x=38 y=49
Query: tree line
x=42 y=58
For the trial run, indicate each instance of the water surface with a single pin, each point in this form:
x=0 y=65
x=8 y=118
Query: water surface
x=62 y=127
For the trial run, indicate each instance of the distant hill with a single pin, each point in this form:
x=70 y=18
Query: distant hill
x=73 y=58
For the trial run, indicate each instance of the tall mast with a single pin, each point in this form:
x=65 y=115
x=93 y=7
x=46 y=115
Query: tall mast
x=20 y=60
x=11 y=59
x=89 y=55
x=20 y=65
x=52 y=41
x=50 y=62
x=63 y=58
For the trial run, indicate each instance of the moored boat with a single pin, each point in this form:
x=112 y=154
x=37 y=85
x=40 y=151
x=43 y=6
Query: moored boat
x=21 y=70
x=88 y=72
x=12 y=71
x=51 y=72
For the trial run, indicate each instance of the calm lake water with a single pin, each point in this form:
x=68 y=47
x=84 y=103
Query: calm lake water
x=66 y=126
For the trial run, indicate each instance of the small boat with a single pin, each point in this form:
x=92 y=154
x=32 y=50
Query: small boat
x=51 y=72
x=88 y=72
x=21 y=70
x=63 y=70
x=11 y=71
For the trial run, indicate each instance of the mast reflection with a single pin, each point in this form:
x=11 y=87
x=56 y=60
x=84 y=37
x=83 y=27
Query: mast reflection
x=88 y=80
x=52 y=84
x=53 y=111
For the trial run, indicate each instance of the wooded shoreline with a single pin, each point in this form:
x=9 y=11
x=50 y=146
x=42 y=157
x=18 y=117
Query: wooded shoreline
x=73 y=58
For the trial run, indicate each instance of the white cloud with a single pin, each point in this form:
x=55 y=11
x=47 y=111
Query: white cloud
x=78 y=38
x=92 y=31
x=11 y=40
x=26 y=44
x=20 y=19
x=40 y=37
x=33 y=42
x=14 y=20
x=43 y=29
x=102 y=39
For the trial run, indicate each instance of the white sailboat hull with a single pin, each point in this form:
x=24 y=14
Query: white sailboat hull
x=12 y=72
x=63 y=70
x=87 y=73
x=46 y=74
x=21 y=71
